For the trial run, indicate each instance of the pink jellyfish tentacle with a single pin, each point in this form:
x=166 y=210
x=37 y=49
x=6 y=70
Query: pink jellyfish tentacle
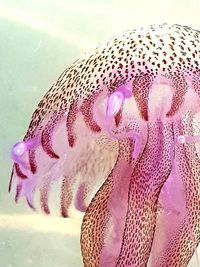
x=108 y=204
x=182 y=243
x=179 y=87
x=47 y=135
x=80 y=197
x=188 y=140
x=66 y=196
x=18 y=190
x=195 y=84
x=49 y=129
x=87 y=112
x=149 y=175
x=114 y=106
x=67 y=190
x=74 y=188
x=71 y=118
x=141 y=87
x=95 y=165
x=44 y=197
x=32 y=160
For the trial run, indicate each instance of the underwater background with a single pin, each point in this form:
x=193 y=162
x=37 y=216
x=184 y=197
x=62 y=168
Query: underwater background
x=38 y=40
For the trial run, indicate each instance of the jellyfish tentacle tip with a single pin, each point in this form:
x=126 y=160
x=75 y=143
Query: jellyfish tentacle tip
x=137 y=146
x=30 y=204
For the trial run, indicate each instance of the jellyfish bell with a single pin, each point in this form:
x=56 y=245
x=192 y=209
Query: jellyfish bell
x=116 y=128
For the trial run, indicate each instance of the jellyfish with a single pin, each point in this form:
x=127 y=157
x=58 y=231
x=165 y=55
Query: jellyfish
x=120 y=129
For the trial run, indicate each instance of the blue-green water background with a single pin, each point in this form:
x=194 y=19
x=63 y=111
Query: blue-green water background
x=38 y=40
